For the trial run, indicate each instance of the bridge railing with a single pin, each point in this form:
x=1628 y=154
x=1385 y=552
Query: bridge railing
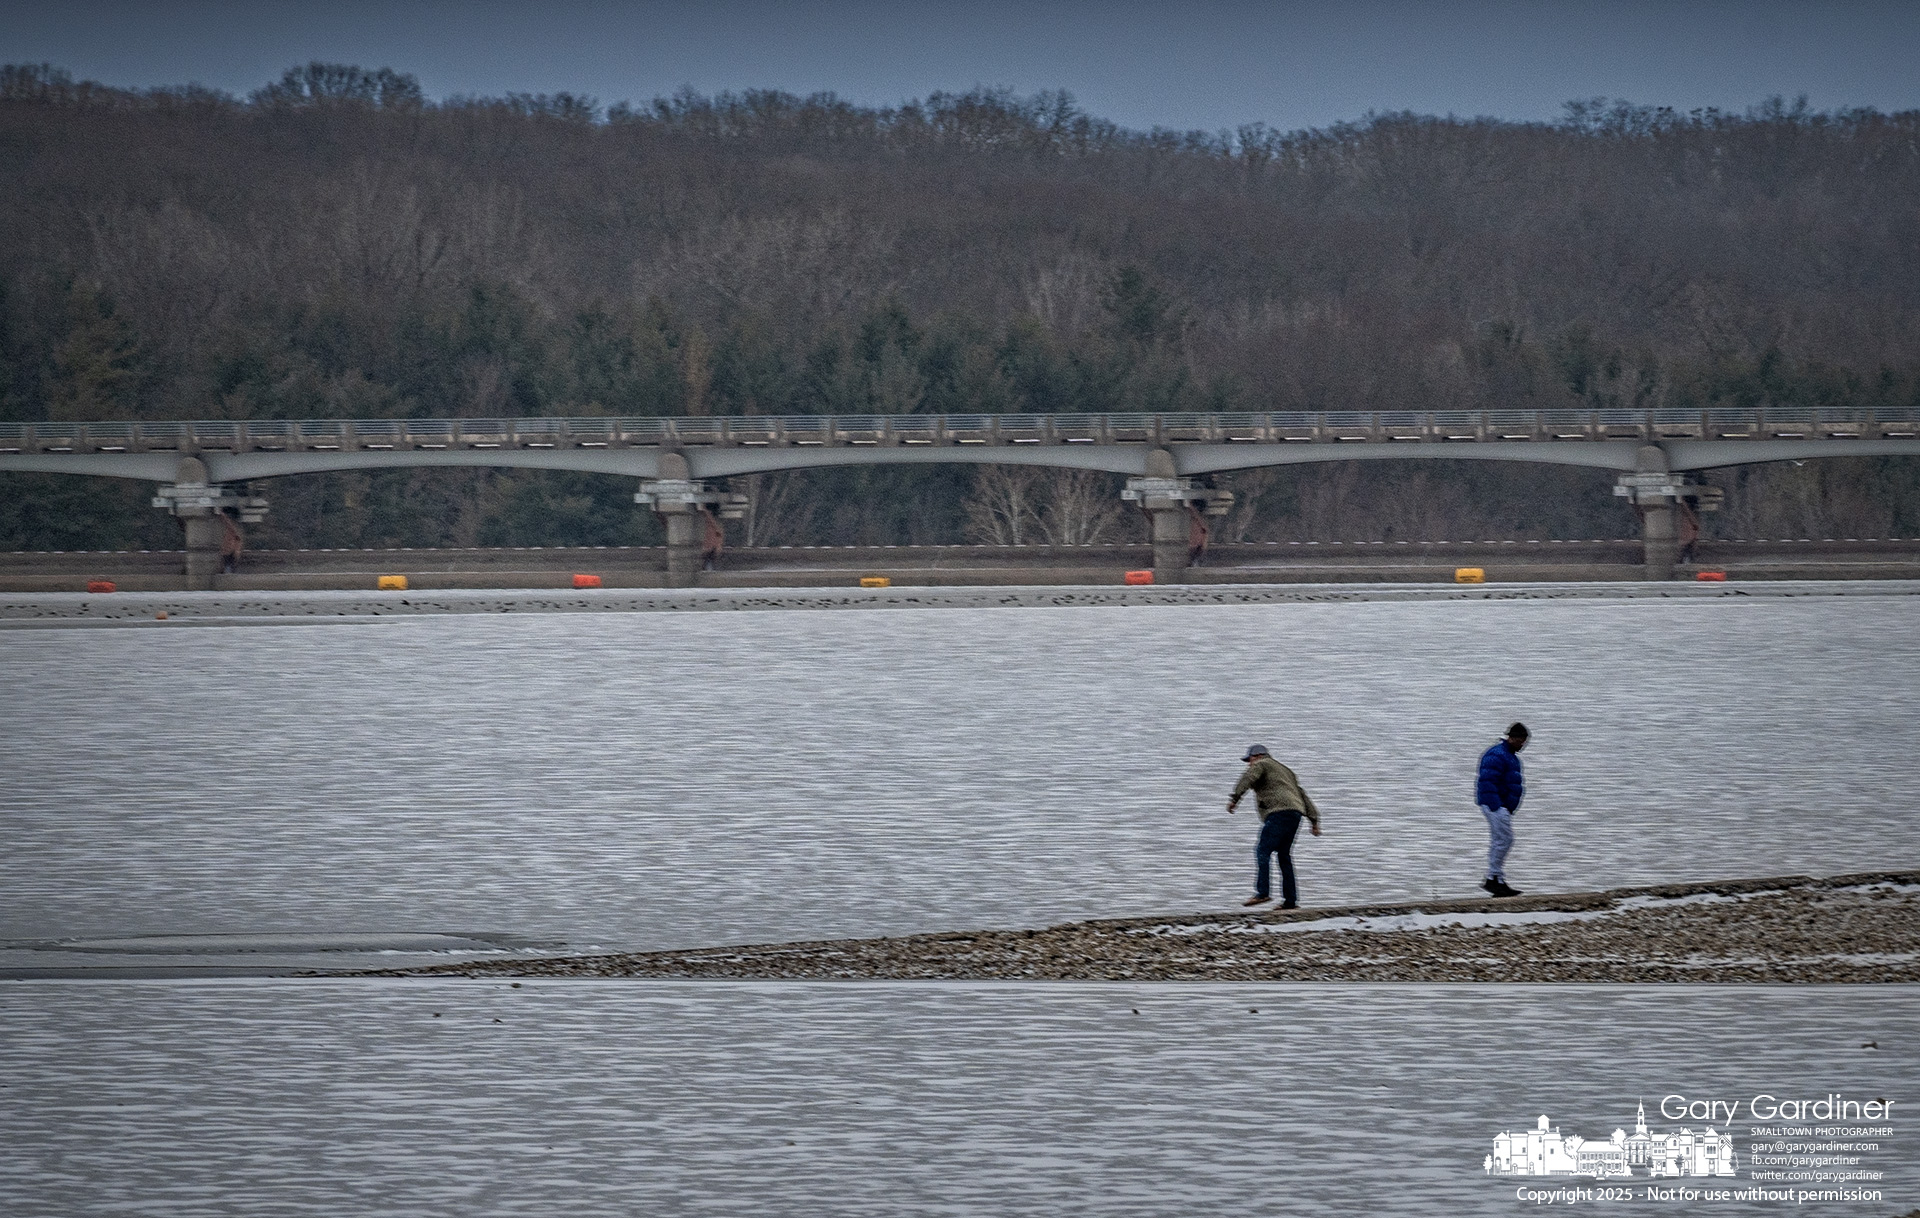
x=1270 y=427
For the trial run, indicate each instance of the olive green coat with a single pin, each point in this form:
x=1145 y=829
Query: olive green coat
x=1276 y=788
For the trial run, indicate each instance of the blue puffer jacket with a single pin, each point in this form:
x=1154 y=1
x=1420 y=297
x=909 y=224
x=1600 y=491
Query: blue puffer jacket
x=1501 y=784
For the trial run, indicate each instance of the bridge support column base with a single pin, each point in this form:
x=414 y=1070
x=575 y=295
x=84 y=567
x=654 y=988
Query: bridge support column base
x=204 y=535
x=210 y=516
x=691 y=515
x=685 y=557
x=1660 y=543
x=1669 y=507
x=1172 y=544
x=1177 y=509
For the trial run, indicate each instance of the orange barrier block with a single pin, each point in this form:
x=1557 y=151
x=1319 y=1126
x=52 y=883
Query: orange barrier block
x=100 y=585
x=875 y=581
x=393 y=583
x=586 y=581
x=1711 y=577
x=1469 y=575
x=1139 y=577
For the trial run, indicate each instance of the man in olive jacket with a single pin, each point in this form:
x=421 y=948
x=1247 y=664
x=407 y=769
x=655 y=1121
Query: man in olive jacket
x=1282 y=803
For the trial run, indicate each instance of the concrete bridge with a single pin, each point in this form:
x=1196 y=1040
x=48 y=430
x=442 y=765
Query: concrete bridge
x=203 y=467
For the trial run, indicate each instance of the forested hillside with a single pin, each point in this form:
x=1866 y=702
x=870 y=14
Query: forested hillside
x=337 y=246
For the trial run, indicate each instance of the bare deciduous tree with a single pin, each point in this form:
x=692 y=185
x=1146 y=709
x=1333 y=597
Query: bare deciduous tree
x=776 y=509
x=1004 y=506
x=1065 y=295
x=1015 y=505
x=1080 y=508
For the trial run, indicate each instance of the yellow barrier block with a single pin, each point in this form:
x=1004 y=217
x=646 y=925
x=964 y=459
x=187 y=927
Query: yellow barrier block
x=1469 y=575
x=875 y=581
x=393 y=583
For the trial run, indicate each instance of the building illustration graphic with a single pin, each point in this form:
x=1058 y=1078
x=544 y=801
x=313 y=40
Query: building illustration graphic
x=1545 y=1151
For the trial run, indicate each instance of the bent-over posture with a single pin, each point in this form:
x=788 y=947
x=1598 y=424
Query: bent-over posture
x=1282 y=803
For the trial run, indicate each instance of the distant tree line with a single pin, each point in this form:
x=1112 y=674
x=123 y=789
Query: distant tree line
x=338 y=245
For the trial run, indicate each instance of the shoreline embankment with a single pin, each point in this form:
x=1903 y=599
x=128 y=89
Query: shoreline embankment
x=536 y=568
x=173 y=610
x=1857 y=928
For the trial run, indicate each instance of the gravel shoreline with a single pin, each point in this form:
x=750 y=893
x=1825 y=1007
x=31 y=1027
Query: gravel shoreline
x=1851 y=928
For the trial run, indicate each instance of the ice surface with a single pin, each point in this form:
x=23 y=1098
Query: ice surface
x=670 y=780
x=464 y=1098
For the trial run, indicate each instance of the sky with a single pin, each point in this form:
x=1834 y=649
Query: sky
x=1185 y=64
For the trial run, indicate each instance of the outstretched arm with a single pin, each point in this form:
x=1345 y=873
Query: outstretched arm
x=1240 y=788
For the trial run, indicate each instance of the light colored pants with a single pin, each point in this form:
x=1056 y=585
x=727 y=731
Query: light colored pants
x=1500 y=830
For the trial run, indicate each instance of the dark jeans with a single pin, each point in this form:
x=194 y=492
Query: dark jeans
x=1276 y=837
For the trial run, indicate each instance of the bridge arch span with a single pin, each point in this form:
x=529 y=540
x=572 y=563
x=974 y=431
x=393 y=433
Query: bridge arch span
x=1165 y=457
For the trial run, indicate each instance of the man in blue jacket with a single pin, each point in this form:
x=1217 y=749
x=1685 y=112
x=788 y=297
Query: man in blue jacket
x=1498 y=793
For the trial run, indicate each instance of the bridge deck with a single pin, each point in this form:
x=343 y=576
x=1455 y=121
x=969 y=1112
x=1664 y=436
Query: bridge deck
x=1337 y=427
x=724 y=446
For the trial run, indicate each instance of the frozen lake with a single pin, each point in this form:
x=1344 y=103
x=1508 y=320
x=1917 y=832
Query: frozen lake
x=664 y=780
x=469 y=1098
x=661 y=780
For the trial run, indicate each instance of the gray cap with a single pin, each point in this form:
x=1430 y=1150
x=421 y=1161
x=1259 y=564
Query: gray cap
x=1256 y=750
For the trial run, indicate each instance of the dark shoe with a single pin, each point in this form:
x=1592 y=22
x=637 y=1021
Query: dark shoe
x=1500 y=889
x=1290 y=905
x=1491 y=885
x=1256 y=900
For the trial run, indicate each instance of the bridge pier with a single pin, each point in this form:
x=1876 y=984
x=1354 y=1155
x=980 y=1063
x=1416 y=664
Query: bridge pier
x=210 y=515
x=1177 y=509
x=691 y=515
x=1669 y=507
